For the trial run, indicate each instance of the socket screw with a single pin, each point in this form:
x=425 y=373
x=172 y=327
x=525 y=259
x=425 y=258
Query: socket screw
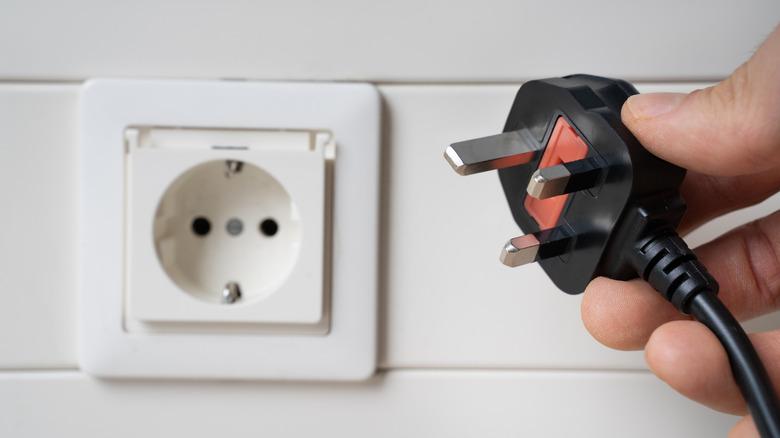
x=231 y=293
x=232 y=167
x=234 y=226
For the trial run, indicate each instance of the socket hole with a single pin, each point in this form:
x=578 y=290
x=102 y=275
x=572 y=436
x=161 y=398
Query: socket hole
x=269 y=227
x=201 y=226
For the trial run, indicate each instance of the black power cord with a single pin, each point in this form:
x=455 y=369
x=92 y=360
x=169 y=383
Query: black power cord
x=666 y=262
x=594 y=202
x=749 y=372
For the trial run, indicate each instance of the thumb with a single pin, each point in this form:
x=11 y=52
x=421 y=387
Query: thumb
x=732 y=128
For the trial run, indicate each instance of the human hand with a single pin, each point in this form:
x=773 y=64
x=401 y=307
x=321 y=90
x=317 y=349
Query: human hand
x=728 y=136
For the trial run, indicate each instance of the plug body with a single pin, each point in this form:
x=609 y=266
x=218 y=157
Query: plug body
x=572 y=173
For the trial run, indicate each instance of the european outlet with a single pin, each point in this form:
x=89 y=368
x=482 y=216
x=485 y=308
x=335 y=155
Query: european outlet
x=228 y=226
x=225 y=229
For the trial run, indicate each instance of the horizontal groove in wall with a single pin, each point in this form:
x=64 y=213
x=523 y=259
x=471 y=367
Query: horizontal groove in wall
x=75 y=373
x=378 y=82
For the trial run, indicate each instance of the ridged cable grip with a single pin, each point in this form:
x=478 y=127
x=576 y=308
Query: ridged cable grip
x=668 y=264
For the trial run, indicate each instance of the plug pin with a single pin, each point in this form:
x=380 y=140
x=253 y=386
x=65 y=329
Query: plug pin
x=534 y=247
x=500 y=151
x=564 y=178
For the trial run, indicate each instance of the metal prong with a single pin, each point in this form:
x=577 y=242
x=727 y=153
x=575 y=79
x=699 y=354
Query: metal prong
x=534 y=247
x=231 y=293
x=564 y=178
x=520 y=251
x=500 y=151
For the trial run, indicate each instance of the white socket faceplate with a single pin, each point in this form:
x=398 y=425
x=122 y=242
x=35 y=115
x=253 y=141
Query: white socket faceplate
x=154 y=153
x=175 y=176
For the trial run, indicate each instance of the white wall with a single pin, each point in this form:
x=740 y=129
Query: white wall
x=468 y=348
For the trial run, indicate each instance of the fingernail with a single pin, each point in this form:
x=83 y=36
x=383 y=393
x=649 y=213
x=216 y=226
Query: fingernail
x=646 y=106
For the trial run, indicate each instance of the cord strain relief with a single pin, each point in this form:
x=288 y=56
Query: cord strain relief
x=666 y=262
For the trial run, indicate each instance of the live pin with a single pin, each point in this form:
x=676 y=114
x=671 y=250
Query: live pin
x=533 y=247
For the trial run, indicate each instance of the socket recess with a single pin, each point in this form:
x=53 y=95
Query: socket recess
x=229 y=229
x=224 y=266
x=203 y=197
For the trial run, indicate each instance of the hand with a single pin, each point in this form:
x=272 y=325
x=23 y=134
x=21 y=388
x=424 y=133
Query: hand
x=728 y=136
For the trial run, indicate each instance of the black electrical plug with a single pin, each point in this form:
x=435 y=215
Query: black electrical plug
x=592 y=201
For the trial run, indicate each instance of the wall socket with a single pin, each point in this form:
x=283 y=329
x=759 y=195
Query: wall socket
x=237 y=220
x=229 y=229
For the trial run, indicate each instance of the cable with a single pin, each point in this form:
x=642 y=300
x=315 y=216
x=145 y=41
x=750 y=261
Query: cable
x=666 y=262
x=749 y=372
